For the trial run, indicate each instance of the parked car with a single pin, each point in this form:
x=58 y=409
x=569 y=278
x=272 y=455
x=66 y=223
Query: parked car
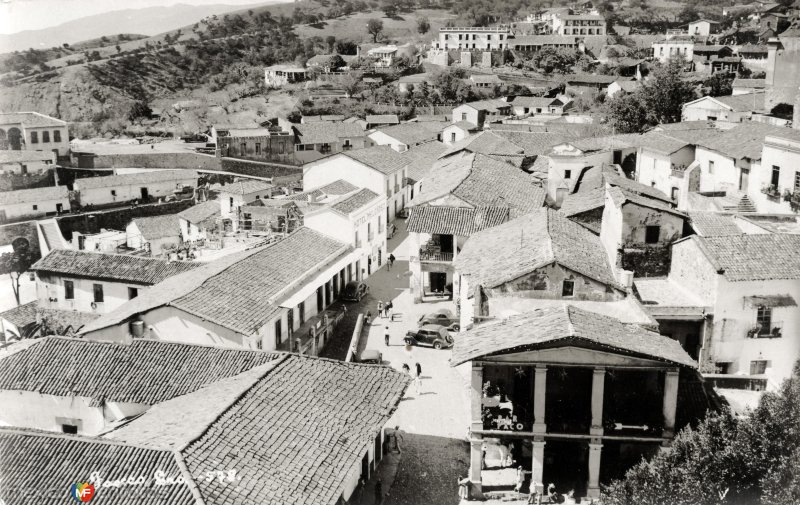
x=370 y=356
x=442 y=317
x=434 y=335
x=354 y=291
x=391 y=230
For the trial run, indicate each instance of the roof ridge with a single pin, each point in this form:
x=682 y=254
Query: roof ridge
x=188 y=479
x=34 y=432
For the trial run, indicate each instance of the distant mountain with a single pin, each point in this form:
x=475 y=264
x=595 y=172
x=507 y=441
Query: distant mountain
x=148 y=21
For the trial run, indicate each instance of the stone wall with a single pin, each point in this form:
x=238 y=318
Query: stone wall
x=117 y=219
x=187 y=160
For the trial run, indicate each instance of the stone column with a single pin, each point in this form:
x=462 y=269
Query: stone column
x=476 y=396
x=539 y=404
x=595 y=449
x=537 y=466
x=598 y=386
x=475 y=460
x=670 y=401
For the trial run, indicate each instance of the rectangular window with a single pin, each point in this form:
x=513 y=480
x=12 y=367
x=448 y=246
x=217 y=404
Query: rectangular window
x=567 y=174
x=69 y=428
x=230 y=202
x=133 y=293
x=35 y=207
x=710 y=166
x=796 y=182
x=463 y=116
x=278 y=336
x=56 y=136
x=69 y=290
x=113 y=192
x=568 y=288
x=45 y=136
x=776 y=175
x=674 y=194
x=764 y=320
x=452 y=137
x=758 y=367
x=258 y=148
x=651 y=234
x=98 y=293
x=34 y=138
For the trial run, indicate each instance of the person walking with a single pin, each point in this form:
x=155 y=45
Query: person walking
x=419 y=369
x=368 y=319
x=386 y=336
x=378 y=492
x=389 y=306
x=386 y=309
x=380 y=308
x=391 y=260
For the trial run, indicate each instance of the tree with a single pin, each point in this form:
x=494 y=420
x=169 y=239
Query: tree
x=726 y=459
x=390 y=9
x=658 y=100
x=330 y=41
x=719 y=84
x=17 y=263
x=139 y=109
x=374 y=28
x=423 y=25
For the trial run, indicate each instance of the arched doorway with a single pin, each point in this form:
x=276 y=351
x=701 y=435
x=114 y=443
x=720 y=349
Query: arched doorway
x=3 y=140
x=15 y=139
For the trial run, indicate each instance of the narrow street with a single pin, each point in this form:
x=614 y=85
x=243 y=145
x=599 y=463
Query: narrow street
x=434 y=422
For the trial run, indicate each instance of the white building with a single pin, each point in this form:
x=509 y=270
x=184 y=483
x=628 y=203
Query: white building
x=141 y=186
x=31 y=131
x=482 y=111
x=580 y=24
x=33 y=203
x=358 y=219
x=702 y=27
x=278 y=76
x=380 y=169
x=731 y=108
x=473 y=37
x=383 y=56
x=677 y=47
x=95 y=282
x=156 y=234
x=26 y=162
x=239 y=193
x=775 y=185
x=404 y=136
x=264 y=298
x=199 y=221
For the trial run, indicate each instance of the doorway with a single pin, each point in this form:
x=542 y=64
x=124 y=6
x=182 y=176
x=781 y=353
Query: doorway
x=145 y=194
x=566 y=464
x=438 y=281
x=15 y=139
x=744 y=178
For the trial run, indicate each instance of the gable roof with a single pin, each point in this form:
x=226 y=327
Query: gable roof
x=327 y=132
x=482 y=181
x=534 y=101
x=420 y=159
x=225 y=291
x=245 y=187
x=746 y=140
x=460 y=221
x=489 y=105
x=113 y=267
x=201 y=212
x=711 y=224
x=485 y=142
x=30 y=119
x=413 y=133
x=384 y=159
x=155 y=227
x=382 y=119
x=759 y=257
x=144 y=371
x=338 y=187
x=351 y=203
x=661 y=142
x=34 y=195
x=150 y=176
x=506 y=252
x=570 y=325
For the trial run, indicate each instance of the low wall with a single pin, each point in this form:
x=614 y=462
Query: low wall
x=186 y=160
x=353 y=350
x=116 y=219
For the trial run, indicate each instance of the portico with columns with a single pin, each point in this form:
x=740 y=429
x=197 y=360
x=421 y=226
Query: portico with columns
x=573 y=408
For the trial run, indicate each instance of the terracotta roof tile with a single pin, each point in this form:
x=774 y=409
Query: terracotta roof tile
x=155 y=227
x=35 y=195
x=757 y=257
x=384 y=159
x=114 y=267
x=506 y=252
x=747 y=139
x=357 y=200
x=708 y=224
x=461 y=221
x=149 y=176
x=327 y=132
x=201 y=212
x=145 y=371
x=572 y=326
x=31 y=119
x=245 y=187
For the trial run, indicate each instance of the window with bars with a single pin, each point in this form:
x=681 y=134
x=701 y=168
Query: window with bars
x=764 y=320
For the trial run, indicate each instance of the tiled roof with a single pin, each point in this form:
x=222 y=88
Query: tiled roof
x=460 y=221
x=572 y=326
x=420 y=159
x=35 y=195
x=338 y=187
x=483 y=181
x=30 y=119
x=245 y=187
x=592 y=79
x=485 y=79
x=416 y=78
x=413 y=133
x=583 y=201
x=464 y=125
x=490 y=105
x=65 y=321
x=686 y=125
x=145 y=371
x=700 y=48
x=661 y=142
x=754 y=257
x=532 y=143
x=752 y=48
x=714 y=224
x=631 y=186
x=746 y=140
x=293 y=429
x=21 y=315
x=745 y=102
x=45 y=465
x=327 y=132
x=750 y=83
x=534 y=101
x=113 y=267
x=202 y=211
x=150 y=176
x=7 y=156
x=383 y=119
x=621 y=196
x=382 y=158
x=659 y=293
x=155 y=227
x=354 y=202
x=506 y=252
x=486 y=142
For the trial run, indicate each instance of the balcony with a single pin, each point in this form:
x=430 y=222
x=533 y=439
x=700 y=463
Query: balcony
x=442 y=257
x=773 y=330
x=773 y=193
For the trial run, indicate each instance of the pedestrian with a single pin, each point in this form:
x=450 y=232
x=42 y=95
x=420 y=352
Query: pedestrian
x=378 y=491
x=398 y=437
x=368 y=319
x=418 y=384
x=391 y=260
x=520 y=479
x=419 y=369
x=406 y=369
x=463 y=488
x=389 y=306
x=386 y=309
x=386 y=336
x=380 y=308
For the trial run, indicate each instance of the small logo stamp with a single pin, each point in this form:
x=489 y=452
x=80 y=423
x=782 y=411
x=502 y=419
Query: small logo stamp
x=82 y=492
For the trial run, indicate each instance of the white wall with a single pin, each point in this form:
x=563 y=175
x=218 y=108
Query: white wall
x=62 y=147
x=338 y=167
x=52 y=286
x=20 y=210
x=655 y=169
x=611 y=229
x=128 y=192
x=784 y=154
x=466 y=113
x=725 y=176
x=378 y=138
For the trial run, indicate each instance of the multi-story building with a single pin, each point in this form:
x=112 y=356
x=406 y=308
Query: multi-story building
x=240 y=193
x=31 y=131
x=315 y=140
x=580 y=24
x=473 y=37
x=676 y=47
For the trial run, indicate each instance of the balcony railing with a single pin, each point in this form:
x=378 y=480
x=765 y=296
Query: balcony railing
x=426 y=255
x=774 y=330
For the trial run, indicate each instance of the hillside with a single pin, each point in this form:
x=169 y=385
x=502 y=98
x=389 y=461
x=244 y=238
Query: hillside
x=147 y=21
